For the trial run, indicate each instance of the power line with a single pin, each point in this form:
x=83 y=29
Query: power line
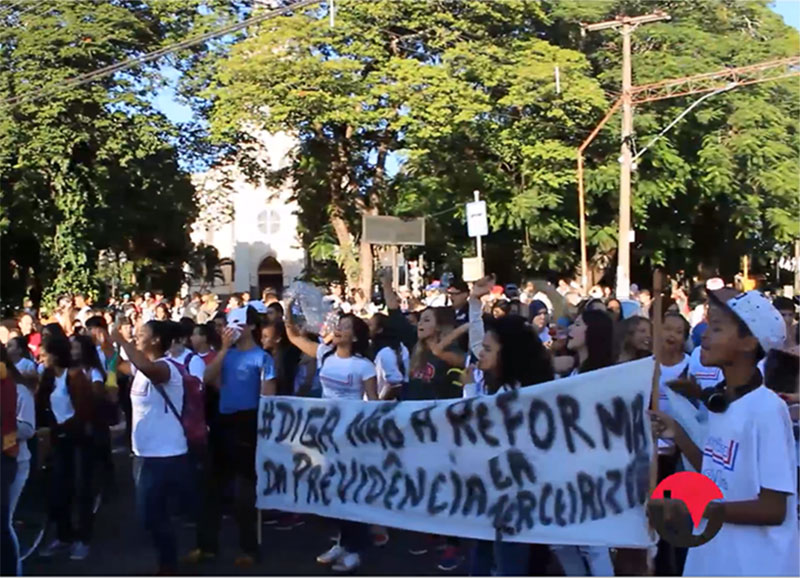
x=151 y=56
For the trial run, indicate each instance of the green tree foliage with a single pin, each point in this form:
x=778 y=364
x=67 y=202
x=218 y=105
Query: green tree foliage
x=463 y=90
x=722 y=183
x=463 y=94
x=92 y=167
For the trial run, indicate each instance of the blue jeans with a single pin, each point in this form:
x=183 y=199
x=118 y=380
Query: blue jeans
x=9 y=554
x=159 y=483
x=508 y=558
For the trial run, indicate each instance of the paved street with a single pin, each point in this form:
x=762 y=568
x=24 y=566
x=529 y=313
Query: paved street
x=120 y=546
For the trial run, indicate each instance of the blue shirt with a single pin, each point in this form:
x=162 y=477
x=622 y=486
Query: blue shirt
x=242 y=372
x=697 y=333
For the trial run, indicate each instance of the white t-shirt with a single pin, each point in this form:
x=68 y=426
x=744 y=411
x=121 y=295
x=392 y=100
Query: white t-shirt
x=704 y=375
x=387 y=369
x=197 y=366
x=669 y=373
x=750 y=446
x=60 y=402
x=342 y=377
x=156 y=432
x=697 y=315
x=26 y=367
x=26 y=421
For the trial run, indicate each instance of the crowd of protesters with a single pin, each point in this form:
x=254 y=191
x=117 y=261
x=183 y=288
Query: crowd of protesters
x=148 y=362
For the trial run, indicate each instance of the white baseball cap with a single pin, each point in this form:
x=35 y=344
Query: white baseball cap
x=761 y=318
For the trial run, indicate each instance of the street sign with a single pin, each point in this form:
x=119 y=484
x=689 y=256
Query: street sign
x=471 y=269
x=383 y=230
x=477 y=222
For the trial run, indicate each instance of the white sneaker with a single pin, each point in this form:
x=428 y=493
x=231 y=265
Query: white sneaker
x=331 y=555
x=347 y=563
x=79 y=551
x=55 y=547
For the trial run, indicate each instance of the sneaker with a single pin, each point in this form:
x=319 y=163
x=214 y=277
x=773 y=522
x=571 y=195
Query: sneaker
x=79 y=551
x=380 y=539
x=289 y=522
x=347 y=563
x=197 y=556
x=449 y=560
x=331 y=555
x=55 y=547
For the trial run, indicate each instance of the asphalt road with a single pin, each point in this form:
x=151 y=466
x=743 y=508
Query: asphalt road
x=121 y=547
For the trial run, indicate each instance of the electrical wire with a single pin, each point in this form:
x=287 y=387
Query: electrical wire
x=151 y=56
x=681 y=115
x=444 y=212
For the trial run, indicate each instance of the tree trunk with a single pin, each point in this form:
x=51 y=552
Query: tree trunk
x=365 y=265
x=346 y=250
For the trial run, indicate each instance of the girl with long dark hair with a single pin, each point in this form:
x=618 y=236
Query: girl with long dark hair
x=346 y=372
x=392 y=359
x=286 y=356
x=591 y=338
x=510 y=355
x=67 y=406
x=85 y=356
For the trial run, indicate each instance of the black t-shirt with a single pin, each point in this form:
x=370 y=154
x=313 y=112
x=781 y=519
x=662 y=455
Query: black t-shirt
x=433 y=380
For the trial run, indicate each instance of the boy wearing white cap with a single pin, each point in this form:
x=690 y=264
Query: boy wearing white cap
x=749 y=449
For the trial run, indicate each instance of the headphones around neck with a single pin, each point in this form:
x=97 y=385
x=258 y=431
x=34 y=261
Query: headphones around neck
x=716 y=401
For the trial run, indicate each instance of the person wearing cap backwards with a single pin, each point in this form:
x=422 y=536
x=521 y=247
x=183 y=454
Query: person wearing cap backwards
x=242 y=371
x=749 y=448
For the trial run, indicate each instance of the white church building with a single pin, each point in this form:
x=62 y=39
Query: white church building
x=261 y=238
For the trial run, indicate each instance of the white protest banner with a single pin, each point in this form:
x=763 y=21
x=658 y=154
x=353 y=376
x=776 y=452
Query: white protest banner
x=565 y=462
x=686 y=414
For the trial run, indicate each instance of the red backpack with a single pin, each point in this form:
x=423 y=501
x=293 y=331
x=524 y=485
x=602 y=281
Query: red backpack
x=193 y=414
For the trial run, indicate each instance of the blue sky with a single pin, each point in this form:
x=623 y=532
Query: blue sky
x=166 y=102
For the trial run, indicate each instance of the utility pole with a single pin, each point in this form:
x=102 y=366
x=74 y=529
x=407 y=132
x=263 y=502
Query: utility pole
x=708 y=83
x=626 y=25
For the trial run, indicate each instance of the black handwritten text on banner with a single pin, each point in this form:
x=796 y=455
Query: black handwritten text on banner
x=564 y=462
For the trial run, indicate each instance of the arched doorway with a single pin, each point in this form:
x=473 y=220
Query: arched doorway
x=270 y=274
